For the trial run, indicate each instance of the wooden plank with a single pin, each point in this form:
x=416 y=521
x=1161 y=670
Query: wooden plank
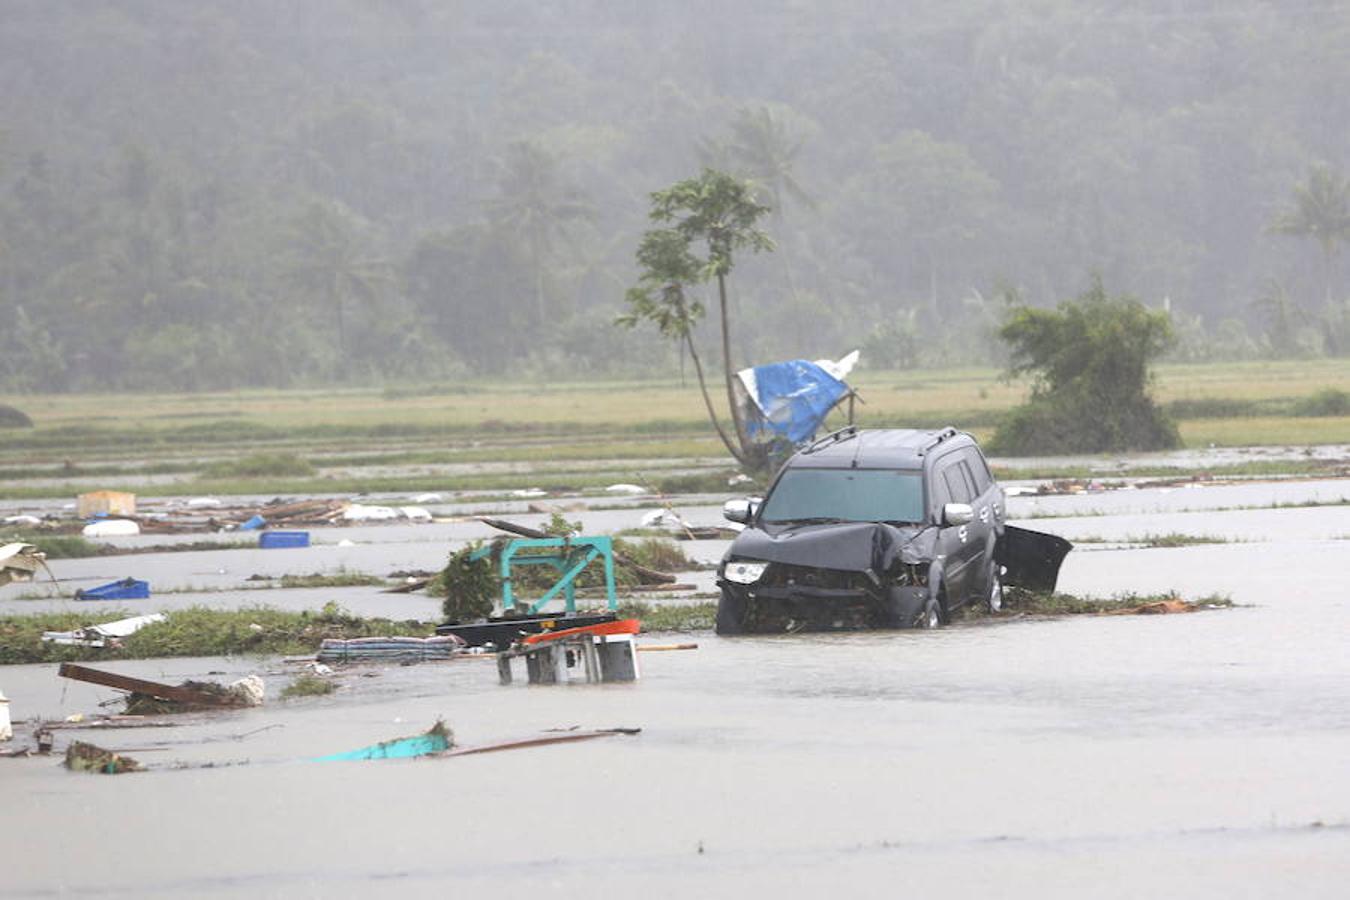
x=563 y=738
x=142 y=686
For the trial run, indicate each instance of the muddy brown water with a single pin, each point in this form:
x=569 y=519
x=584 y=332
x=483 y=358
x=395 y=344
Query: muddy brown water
x=1202 y=755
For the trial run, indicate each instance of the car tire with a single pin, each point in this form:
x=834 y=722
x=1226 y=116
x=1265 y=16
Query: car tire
x=993 y=597
x=932 y=614
x=731 y=613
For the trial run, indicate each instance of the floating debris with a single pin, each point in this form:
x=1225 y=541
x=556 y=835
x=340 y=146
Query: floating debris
x=83 y=757
x=276 y=540
x=390 y=649
x=437 y=739
x=126 y=589
x=151 y=698
x=112 y=528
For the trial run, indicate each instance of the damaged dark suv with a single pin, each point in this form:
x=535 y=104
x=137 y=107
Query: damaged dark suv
x=886 y=528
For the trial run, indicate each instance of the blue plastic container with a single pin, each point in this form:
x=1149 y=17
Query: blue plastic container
x=275 y=540
x=126 y=589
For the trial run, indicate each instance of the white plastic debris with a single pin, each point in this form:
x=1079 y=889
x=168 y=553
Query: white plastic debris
x=22 y=520
x=839 y=369
x=346 y=542
x=358 y=512
x=250 y=688
x=529 y=492
x=427 y=498
x=625 y=489
x=416 y=513
x=101 y=635
x=6 y=729
x=204 y=503
x=112 y=528
x=662 y=518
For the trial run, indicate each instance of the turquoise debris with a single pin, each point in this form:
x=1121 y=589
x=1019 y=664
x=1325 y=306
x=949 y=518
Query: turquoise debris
x=437 y=740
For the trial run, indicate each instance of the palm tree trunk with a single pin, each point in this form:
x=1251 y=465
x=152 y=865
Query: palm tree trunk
x=727 y=368
x=1328 y=251
x=341 y=324
x=707 y=400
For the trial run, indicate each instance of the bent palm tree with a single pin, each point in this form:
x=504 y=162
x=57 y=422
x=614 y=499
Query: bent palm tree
x=1321 y=210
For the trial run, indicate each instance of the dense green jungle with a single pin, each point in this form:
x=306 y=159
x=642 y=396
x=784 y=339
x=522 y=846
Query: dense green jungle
x=217 y=195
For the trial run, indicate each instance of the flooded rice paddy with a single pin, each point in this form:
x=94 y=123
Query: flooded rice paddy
x=1195 y=755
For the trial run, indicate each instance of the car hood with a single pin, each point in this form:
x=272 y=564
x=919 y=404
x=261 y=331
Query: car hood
x=848 y=546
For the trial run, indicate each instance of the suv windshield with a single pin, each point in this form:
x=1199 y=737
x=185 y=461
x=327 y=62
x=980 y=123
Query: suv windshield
x=847 y=495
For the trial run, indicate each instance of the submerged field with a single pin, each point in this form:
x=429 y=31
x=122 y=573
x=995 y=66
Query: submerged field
x=565 y=435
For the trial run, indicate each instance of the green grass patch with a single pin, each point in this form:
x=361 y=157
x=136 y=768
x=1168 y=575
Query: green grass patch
x=261 y=465
x=331 y=580
x=1326 y=402
x=198 y=631
x=1060 y=604
x=307 y=686
x=1255 y=468
x=681 y=617
x=1171 y=539
x=699 y=483
x=56 y=546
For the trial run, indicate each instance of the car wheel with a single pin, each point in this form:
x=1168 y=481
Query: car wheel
x=731 y=613
x=993 y=600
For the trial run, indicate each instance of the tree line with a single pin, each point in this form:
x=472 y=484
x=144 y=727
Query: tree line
x=213 y=195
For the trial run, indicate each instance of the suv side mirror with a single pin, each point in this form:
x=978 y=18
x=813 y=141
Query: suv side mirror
x=741 y=510
x=957 y=514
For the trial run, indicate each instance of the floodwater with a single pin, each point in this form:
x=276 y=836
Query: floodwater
x=1198 y=755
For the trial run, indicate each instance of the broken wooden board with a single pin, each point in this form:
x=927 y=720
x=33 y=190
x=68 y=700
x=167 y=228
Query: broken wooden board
x=188 y=696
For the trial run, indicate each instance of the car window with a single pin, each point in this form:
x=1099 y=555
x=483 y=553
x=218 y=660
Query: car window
x=971 y=484
x=958 y=487
x=979 y=468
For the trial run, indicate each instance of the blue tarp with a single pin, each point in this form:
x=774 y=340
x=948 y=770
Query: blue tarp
x=126 y=589
x=793 y=398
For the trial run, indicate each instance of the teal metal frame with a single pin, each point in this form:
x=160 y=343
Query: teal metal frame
x=570 y=557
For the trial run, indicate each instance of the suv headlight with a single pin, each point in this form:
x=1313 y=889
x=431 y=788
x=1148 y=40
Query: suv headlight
x=744 y=571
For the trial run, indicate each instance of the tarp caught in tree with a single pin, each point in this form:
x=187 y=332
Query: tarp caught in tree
x=791 y=399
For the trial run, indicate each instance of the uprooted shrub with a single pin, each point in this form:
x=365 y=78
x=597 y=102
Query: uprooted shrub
x=1090 y=358
x=470 y=586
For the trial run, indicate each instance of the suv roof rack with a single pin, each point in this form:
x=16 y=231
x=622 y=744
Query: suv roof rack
x=943 y=434
x=833 y=437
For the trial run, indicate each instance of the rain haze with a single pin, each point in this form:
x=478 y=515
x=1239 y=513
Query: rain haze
x=314 y=313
